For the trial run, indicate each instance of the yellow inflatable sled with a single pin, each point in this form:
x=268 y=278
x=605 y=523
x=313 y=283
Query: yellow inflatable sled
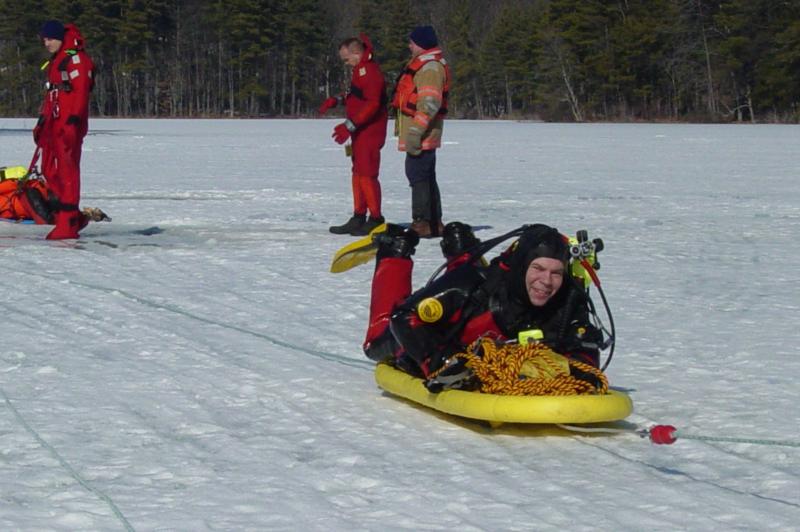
x=498 y=409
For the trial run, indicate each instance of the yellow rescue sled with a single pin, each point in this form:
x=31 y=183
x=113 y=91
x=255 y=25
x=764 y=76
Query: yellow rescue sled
x=498 y=409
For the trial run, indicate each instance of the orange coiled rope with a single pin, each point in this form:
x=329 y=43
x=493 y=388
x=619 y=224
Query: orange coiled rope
x=499 y=368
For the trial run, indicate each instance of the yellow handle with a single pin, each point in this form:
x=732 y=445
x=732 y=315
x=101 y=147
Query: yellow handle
x=13 y=172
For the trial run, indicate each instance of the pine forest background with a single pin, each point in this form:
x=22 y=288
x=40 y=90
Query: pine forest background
x=556 y=60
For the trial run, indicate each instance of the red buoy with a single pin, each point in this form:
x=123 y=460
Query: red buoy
x=663 y=434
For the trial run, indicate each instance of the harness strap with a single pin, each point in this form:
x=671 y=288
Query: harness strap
x=34 y=160
x=359 y=93
x=66 y=84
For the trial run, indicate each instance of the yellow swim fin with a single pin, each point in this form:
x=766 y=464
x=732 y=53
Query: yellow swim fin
x=356 y=253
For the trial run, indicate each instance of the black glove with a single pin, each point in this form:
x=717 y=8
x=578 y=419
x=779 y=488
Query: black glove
x=586 y=376
x=455 y=376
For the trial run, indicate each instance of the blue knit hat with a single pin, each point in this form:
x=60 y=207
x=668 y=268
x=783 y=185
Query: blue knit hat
x=52 y=29
x=424 y=37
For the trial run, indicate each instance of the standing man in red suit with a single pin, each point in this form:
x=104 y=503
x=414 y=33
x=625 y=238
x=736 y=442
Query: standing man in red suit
x=366 y=119
x=63 y=123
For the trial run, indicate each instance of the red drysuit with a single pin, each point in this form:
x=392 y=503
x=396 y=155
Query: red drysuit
x=365 y=107
x=63 y=123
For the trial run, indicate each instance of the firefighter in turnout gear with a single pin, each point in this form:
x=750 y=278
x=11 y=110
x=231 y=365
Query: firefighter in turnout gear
x=420 y=98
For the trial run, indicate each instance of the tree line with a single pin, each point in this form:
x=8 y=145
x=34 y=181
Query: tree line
x=556 y=60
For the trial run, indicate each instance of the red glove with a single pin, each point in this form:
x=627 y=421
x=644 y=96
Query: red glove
x=329 y=103
x=342 y=132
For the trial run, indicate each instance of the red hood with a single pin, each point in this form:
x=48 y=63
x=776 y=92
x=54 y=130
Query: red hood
x=367 y=47
x=73 y=40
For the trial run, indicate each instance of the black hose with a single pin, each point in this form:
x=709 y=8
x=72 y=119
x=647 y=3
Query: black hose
x=613 y=332
x=481 y=249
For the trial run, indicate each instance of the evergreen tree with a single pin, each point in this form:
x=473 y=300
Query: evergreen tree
x=21 y=55
x=782 y=72
x=760 y=48
x=465 y=96
x=738 y=58
x=243 y=31
x=638 y=63
x=388 y=24
x=577 y=56
x=559 y=59
x=370 y=20
x=508 y=60
x=305 y=41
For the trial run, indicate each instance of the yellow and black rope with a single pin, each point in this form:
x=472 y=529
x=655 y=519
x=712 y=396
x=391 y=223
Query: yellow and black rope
x=499 y=367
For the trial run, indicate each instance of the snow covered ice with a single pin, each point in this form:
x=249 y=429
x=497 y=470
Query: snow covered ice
x=193 y=365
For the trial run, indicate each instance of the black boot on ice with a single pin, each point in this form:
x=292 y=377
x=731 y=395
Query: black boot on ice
x=368 y=226
x=347 y=228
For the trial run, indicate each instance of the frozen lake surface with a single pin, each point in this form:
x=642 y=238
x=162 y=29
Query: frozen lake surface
x=193 y=365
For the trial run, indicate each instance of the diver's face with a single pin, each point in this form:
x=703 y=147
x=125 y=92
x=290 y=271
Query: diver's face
x=543 y=279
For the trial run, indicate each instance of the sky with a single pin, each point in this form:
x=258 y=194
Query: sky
x=193 y=365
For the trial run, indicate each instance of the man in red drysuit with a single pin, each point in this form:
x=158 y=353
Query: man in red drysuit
x=63 y=123
x=527 y=288
x=366 y=119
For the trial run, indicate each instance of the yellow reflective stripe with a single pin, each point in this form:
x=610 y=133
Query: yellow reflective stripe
x=429 y=91
x=430 y=143
x=422 y=119
x=427 y=144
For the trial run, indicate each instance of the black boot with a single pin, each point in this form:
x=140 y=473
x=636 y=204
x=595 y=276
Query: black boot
x=396 y=242
x=457 y=239
x=355 y=222
x=368 y=226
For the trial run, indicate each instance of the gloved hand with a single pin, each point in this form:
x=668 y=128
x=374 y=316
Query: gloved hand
x=414 y=141
x=329 y=103
x=96 y=215
x=342 y=132
x=586 y=376
x=455 y=376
